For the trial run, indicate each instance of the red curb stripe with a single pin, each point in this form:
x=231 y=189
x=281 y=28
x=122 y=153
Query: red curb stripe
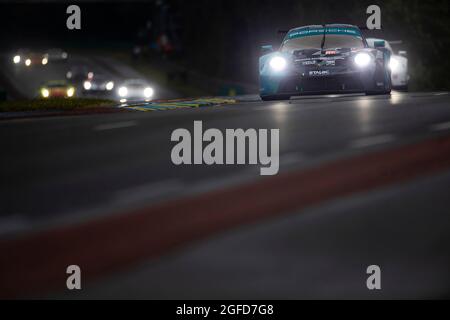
x=36 y=264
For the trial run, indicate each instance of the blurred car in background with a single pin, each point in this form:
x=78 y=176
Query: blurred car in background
x=398 y=64
x=57 y=89
x=135 y=90
x=56 y=55
x=79 y=73
x=98 y=83
x=29 y=58
x=19 y=56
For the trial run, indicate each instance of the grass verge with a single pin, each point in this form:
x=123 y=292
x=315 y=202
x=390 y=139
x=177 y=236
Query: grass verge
x=54 y=105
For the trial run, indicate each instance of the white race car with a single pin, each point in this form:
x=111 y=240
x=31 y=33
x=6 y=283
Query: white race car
x=399 y=65
x=135 y=90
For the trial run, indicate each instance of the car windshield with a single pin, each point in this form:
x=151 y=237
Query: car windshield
x=332 y=41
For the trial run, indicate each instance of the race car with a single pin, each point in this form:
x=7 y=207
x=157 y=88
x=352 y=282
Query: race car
x=57 y=89
x=29 y=58
x=56 y=55
x=399 y=65
x=135 y=90
x=321 y=59
x=98 y=83
x=79 y=73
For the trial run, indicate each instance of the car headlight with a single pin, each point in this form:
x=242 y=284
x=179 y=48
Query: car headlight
x=28 y=62
x=363 y=59
x=110 y=86
x=394 y=64
x=45 y=93
x=70 y=92
x=123 y=91
x=87 y=85
x=44 y=61
x=148 y=92
x=16 y=59
x=278 y=64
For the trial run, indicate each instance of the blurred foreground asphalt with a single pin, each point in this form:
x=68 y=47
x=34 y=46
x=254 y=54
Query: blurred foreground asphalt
x=64 y=171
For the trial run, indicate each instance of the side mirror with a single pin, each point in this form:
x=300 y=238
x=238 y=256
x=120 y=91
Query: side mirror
x=403 y=53
x=266 y=49
x=379 y=44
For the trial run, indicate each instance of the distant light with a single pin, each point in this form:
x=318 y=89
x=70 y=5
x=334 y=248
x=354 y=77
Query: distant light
x=44 y=61
x=278 y=63
x=28 y=62
x=90 y=75
x=70 y=92
x=16 y=59
x=123 y=91
x=87 y=85
x=64 y=55
x=45 y=93
x=110 y=86
x=148 y=92
x=123 y=100
x=69 y=75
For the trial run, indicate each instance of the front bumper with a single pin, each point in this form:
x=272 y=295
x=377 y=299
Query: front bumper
x=300 y=83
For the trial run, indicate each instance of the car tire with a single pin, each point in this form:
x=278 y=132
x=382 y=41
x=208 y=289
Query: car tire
x=275 y=98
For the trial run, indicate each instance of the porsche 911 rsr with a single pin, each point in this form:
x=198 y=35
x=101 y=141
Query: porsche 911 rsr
x=398 y=65
x=324 y=59
x=57 y=89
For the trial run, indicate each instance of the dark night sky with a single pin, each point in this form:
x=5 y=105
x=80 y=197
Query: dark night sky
x=43 y=24
x=231 y=31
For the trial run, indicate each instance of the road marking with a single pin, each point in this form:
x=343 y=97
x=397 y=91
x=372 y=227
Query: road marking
x=115 y=125
x=441 y=94
x=440 y=126
x=372 y=141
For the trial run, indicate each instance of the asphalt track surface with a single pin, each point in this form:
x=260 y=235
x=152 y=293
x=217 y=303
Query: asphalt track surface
x=363 y=180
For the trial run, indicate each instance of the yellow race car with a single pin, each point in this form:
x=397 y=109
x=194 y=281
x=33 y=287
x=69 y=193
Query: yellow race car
x=57 y=89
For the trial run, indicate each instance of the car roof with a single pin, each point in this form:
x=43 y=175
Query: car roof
x=135 y=81
x=56 y=83
x=317 y=26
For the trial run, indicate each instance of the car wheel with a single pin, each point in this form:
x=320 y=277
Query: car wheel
x=275 y=97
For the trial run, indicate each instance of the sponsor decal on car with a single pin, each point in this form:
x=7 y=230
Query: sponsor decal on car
x=318 y=73
x=320 y=31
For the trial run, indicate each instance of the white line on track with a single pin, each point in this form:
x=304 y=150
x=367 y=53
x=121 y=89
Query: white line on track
x=372 y=141
x=115 y=125
x=440 y=126
x=441 y=94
